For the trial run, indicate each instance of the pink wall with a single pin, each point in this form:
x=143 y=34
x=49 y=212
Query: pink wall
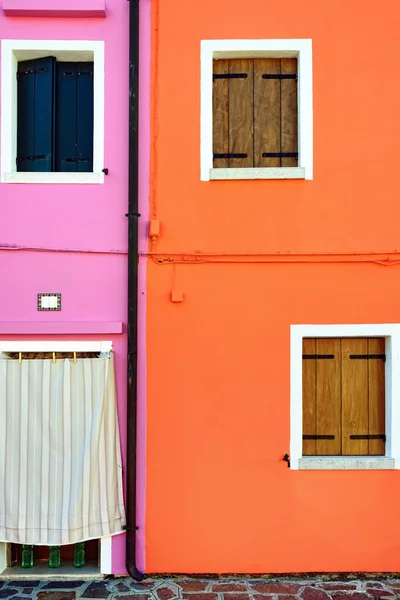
x=87 y=218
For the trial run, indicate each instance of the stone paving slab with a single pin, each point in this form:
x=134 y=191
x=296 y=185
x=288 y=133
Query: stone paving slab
x=185 y=588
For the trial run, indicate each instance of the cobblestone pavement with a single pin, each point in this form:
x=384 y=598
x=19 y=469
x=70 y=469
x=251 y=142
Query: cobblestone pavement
x=202 y=589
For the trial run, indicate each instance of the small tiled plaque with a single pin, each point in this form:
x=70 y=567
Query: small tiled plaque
x=49 y=301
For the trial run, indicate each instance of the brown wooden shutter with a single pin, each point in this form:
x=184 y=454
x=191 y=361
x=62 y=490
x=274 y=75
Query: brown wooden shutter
x=220 y=113
x=321 y=397
x=255 y=112
x=354 y=397
x=344 y=396
x=309 y=397
x=376 y=383
x=267 y=112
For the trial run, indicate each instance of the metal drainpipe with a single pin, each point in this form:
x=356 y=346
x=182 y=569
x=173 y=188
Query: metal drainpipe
x=133 y=204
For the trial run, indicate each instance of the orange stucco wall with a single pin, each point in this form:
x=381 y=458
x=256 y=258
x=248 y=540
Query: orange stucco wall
x=219 y=496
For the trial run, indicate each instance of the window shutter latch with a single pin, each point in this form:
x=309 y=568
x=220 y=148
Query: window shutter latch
x=286 y=458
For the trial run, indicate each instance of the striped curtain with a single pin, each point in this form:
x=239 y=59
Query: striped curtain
x=60 y=458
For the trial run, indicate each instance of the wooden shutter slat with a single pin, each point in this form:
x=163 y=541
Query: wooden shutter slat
x=241 y=113
x=267 y=112
x=35 y=119
x=328 y=398
x=309 y=396
x=220 y=113
x=289 y=134
x=376 y=382
x=84 y=118
x=66 y=117
x=354 y=397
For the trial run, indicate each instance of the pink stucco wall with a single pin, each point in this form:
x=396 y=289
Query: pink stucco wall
x=88 y=219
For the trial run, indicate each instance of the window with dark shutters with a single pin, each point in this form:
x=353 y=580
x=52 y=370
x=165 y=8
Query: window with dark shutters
x=344 y=397
x=55 y=116
x=255 y=113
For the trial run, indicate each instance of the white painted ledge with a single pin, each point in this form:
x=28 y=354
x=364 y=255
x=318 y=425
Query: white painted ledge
x=264 y=173
x=74 y=178
x=354 y=463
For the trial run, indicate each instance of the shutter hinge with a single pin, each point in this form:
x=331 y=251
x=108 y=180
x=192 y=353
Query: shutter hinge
x=368 y=356
x=319 y=437
x=279 y=76
x=280 y=155
x=229 y=155
x=31 y=72
x=33 y=157
x=76 y=160
x=229 y=76
x=318 y=356
x=372 y=436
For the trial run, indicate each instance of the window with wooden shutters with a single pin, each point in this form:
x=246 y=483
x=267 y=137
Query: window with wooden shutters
x=344 y=397
x=54 y=116
x=255 y=113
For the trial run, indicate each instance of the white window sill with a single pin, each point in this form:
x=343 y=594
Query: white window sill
x=263 y=173
x=53 y=178
x=345 y=463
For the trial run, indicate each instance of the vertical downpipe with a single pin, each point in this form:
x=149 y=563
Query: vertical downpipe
x=133 y=205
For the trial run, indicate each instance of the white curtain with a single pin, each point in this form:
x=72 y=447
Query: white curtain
x=60 y=458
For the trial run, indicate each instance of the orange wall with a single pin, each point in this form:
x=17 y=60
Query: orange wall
x=219 y=496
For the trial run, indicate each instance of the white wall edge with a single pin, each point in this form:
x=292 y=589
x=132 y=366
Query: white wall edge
x=55 y=346
x=353 y=463
x=3 y=557
x=106 y=555
x=258 y=173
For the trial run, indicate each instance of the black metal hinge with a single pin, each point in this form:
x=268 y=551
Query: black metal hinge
x=229 y=155
x=368 y=356
x=318 y=437
x=76 y=160
x=280 y=155
x=31 y=72
x=20 y=159
x=379 y=436
x=318 y=356
x=229 y=76
x=279 y=76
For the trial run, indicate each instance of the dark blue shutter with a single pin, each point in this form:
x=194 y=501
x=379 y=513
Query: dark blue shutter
x=35 y=120
x=74 y=120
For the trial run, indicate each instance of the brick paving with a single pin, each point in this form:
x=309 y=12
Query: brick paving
x=184 y=588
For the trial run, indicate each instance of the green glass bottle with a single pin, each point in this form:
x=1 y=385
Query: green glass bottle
x=27 y=556
x=54 y=557
x=79 y=554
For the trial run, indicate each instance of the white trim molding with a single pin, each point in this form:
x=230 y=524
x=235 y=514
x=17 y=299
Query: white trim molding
x=391 y=333
x=272 y=48
x=13 y=51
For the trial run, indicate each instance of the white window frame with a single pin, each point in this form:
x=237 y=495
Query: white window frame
x=59 y=346
x=13 y=51
x=299 y=48
x=391 y=333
